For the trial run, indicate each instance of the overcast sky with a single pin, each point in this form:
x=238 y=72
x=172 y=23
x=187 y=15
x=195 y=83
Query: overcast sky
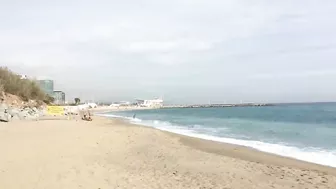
x=187 y=50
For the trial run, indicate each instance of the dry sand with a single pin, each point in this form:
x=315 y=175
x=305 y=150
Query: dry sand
x=57 y=154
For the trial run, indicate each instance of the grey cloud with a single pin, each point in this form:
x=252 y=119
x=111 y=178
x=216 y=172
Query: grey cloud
x=221 y=50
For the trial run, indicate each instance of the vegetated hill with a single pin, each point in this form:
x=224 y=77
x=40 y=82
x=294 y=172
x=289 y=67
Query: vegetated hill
x=11 y=83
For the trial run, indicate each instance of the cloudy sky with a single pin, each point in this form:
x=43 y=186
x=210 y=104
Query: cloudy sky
x=187 y=50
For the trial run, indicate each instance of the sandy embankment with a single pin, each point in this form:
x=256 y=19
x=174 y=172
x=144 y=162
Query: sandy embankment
x=113 y=154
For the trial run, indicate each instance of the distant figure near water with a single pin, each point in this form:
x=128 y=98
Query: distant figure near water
x=134 y=116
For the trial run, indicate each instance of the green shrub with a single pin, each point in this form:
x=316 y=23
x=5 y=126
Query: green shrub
x=26 y=89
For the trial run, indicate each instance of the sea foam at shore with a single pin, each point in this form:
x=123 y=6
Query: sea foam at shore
x=306 y=132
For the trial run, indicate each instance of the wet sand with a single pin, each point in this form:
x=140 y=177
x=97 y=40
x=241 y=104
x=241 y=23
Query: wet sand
x=114 y=154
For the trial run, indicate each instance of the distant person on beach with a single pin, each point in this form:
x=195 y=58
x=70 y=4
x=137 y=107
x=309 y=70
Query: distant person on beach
x=134 y=116
x=86 y=115
x=87 y=118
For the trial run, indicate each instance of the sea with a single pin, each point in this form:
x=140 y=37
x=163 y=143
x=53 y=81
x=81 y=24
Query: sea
x=302 y=131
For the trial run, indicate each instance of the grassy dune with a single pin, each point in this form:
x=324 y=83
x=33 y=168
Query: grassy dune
x=24 y=88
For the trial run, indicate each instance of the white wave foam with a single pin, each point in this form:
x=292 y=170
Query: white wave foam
x=313 y=155
x=318 y=156
x=109 y=115
x=122 y=117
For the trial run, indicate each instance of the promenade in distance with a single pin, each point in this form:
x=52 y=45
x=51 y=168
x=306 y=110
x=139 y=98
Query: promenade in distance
x=218 y=105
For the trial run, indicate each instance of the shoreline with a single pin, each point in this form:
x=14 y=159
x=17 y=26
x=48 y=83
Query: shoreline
x=251 y=154
x=238 y=151
x=214 y=142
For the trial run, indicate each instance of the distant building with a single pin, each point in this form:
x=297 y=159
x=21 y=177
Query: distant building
x=92 y=105
x=47 y=86
x=59 y=97
x=121 y=103
x=155 y=103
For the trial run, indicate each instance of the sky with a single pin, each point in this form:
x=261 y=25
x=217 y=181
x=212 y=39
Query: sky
x=189 y=51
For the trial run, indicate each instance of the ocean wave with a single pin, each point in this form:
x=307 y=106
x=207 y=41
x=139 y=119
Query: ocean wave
x=121 y=117
x=309 y=154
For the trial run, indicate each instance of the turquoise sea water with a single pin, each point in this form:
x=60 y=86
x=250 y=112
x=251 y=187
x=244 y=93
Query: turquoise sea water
x=302 y=131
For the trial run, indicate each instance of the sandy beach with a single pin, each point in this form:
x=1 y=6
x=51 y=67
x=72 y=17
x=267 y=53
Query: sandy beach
x=105 y=153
